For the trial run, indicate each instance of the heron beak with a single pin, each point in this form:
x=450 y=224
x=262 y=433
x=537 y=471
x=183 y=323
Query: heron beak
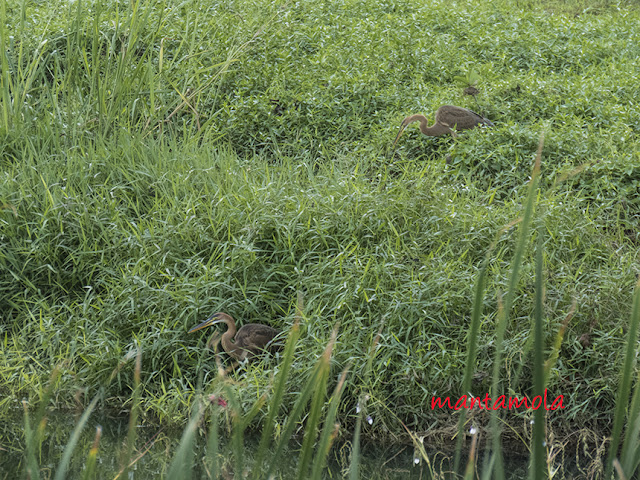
x=402 y=127
x=213 y=319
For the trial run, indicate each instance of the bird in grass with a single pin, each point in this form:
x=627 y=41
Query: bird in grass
x=251 y=339
x=449 y=119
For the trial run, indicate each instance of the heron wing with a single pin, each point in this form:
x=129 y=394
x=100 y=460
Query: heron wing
x=462 y=118
x=480 y=120
x=255 y=337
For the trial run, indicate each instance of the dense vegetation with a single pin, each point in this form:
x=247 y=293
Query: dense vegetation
x=161 y=161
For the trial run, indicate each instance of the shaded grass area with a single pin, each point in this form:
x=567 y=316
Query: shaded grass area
x=160 y=163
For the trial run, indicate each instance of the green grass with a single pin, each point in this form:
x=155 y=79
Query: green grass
x=159 y=162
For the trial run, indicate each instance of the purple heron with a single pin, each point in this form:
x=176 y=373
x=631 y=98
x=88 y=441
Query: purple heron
x=448 y=119
x=251 y=339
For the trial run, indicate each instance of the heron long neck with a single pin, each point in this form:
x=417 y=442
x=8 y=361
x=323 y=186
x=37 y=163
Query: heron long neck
x=227 y=338
x=434 y=130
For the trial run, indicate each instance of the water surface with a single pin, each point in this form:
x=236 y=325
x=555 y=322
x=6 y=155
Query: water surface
x=155 y=448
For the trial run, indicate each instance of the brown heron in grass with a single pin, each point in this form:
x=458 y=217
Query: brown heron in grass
x=448 y=119
x=251 y=339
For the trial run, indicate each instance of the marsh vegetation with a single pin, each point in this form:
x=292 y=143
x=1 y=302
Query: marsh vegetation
x=161 y=161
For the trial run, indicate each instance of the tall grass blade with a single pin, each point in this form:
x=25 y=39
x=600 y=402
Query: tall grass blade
x=354 y=466
x=213 y=444
x=329 y=430
x=487 y=468
x=472 y=339
x=133 y=416
x=90 y=466
x=6 y=80
x=555 y=350
x=469 y=473
x=537 y=468
x=472 y=344
x=182 y=462
x=237 y=435
x=33 y=439
x=631 y=445
x=61 y=471
x=523 y=237
x=31 y=467
x=280 y=384
x=292 y=421
x=317 y=403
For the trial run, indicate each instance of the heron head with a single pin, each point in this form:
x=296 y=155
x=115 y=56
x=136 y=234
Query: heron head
x=407 y=121
x=212 y=320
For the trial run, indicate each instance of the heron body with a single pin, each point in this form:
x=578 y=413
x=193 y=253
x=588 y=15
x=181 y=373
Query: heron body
x=449 y=118
x=251 y=339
